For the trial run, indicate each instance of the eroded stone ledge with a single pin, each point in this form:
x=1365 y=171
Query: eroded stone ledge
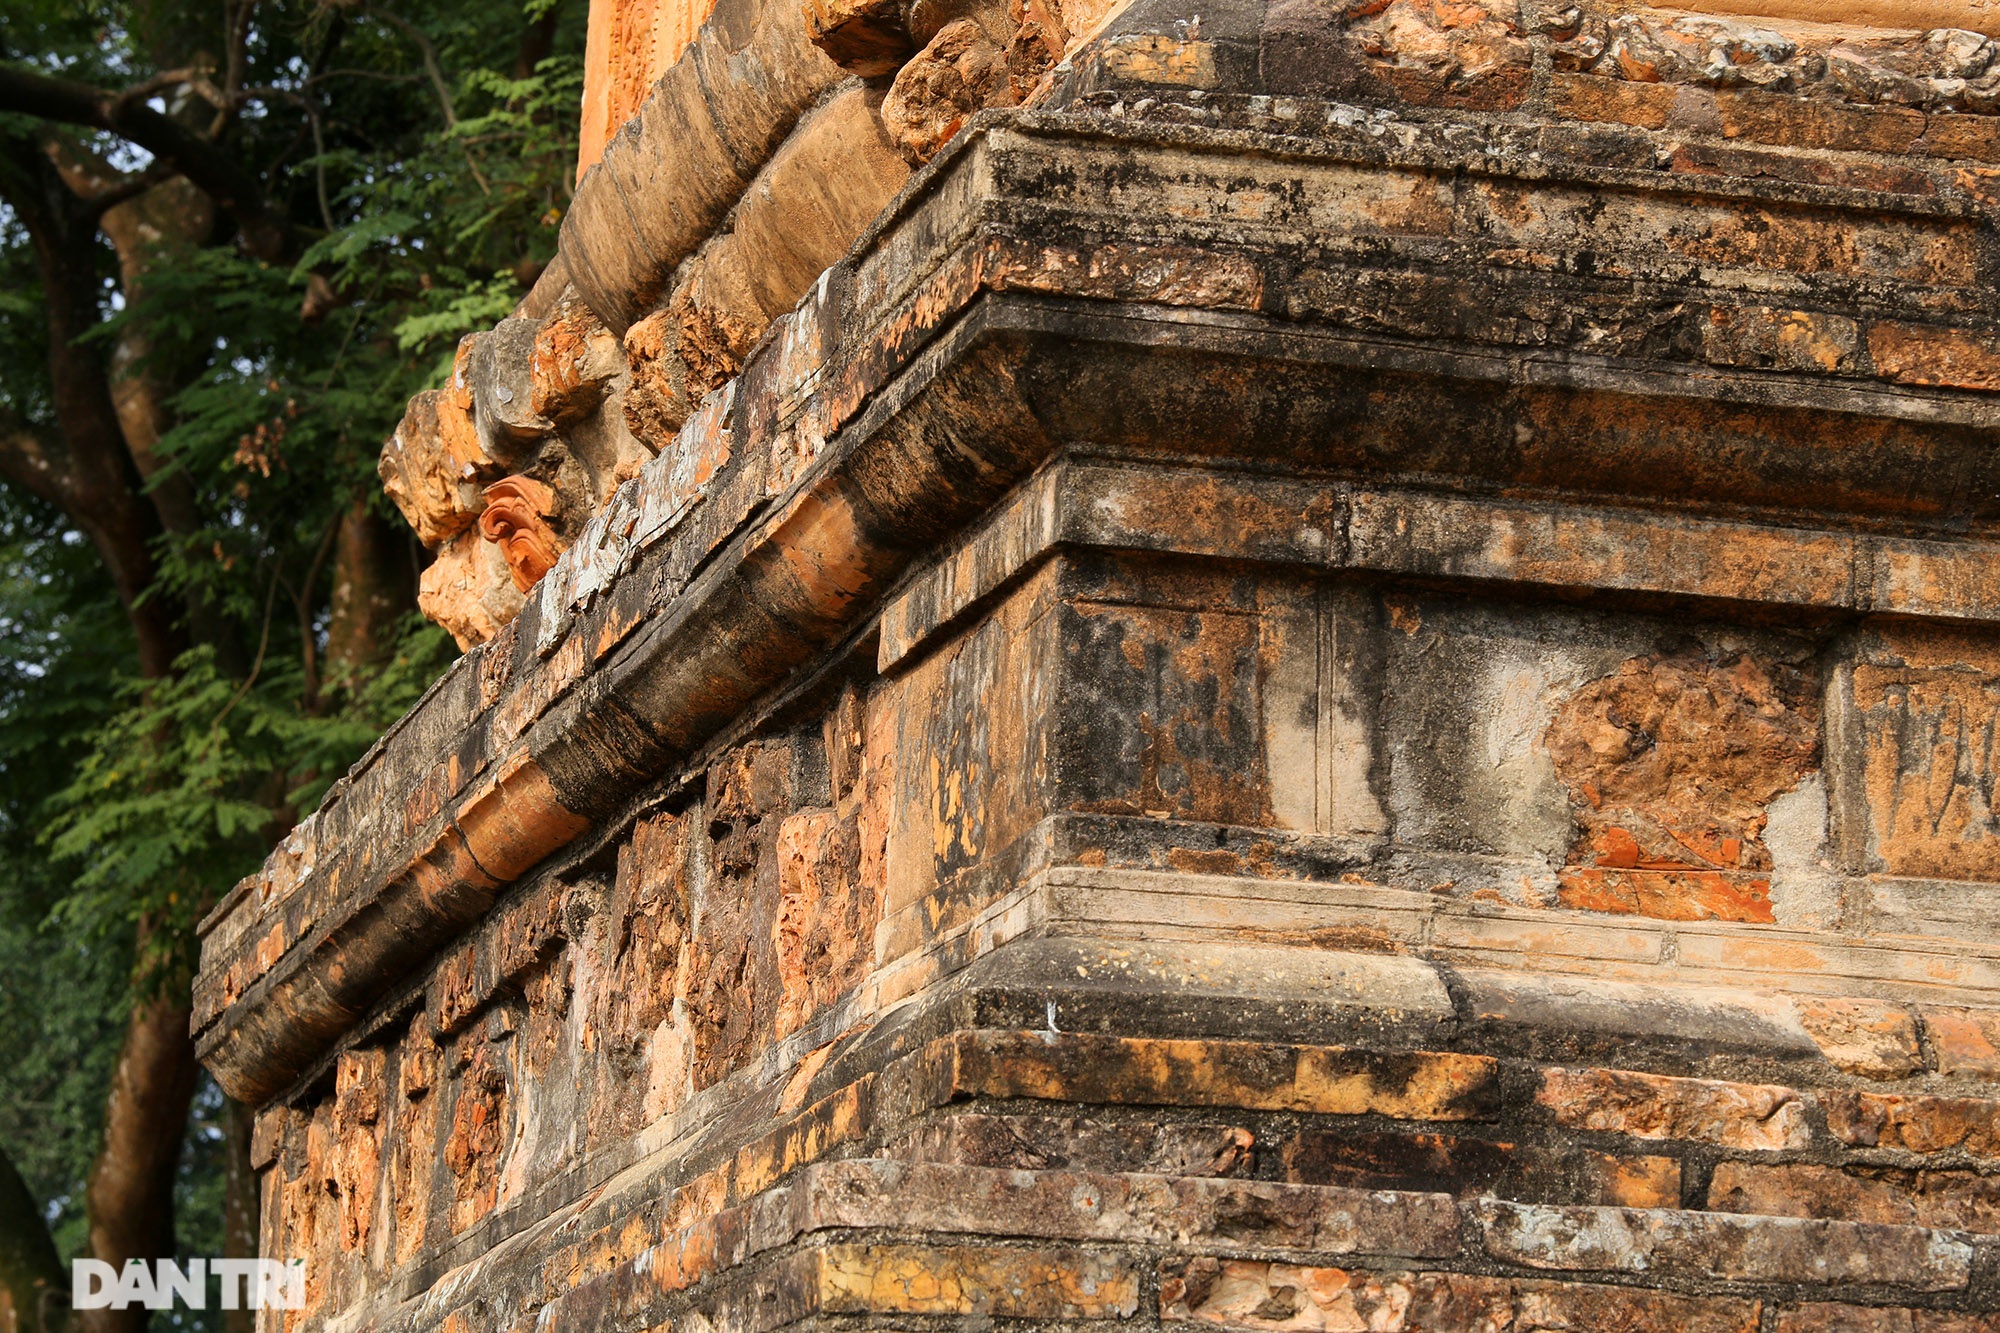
x=971 y=1137
x=916 y=385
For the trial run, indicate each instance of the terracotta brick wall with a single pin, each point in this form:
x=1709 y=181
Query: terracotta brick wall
x=631 y=43
x=1343 y=673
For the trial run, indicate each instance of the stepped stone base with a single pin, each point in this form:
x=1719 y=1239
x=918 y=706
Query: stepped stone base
x=1455 y=1163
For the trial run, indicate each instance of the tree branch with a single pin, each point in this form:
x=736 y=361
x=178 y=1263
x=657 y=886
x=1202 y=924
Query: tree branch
x=101 y=490
x=217 y=173
x=131 y=187
x=236 y=20
x=33 y=458
x=428 y=51
x=195 y=78
x=430 y=57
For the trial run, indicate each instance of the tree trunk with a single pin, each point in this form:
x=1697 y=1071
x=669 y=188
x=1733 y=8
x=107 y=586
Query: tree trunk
x=98 y=485
x=110 y=412
x=162 y=224
x=372 y=580
x=131 y=1193
x=240 y=1204
x=34 y=1291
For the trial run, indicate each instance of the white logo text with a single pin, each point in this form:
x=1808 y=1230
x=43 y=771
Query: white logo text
x=247 y=1284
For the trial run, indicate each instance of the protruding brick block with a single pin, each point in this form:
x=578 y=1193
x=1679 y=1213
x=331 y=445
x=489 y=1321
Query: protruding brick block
x=1653 y=1106
x=1864 y=1037
x=1917 y=1122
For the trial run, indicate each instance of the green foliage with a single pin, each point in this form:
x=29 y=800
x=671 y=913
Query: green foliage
x=60 y=1019
x=184 y=787
x=418 y=217
x=163 y=801
x=60 y=633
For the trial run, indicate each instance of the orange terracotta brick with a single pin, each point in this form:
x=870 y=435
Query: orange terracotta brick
x=1656 y=1106
x=1774 y=338
x=1864 y=1037
x=1945 y=357
x=1670 y=811
x=1916 y=1122
x=1974 y=137
x=1587 y=97
x=1830 y=1318
x=1231 y=1293
x=1797 y=122
x=976 y=1280
x=515 y=818
x=1965 y=1041
x=1422 y=1085
x=1951 y=1200
x=1922 y=761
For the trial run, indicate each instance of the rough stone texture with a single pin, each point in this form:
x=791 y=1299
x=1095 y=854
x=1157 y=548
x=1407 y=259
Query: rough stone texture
x=1826 y=1318
x=1954 y=1200
x=1719 y=1245
x=1468 y=1166
x=1336 y=674
x=1966 y=1041
x=1672 y=765
x=1732 y=1115
x=469 y=589
x=629 y=45
x=960 y=71
x=1916 y=1122
x=1869 y=1039
x=1929 y=703
x=428 y=471
x=1247 y=1294
x=868 y=37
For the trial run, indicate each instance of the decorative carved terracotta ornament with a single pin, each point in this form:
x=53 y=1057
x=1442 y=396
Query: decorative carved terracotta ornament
x=516 y=520
x=468 y=590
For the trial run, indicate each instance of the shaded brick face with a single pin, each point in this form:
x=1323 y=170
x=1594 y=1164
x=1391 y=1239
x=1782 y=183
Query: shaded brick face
x=1469 y=56
x=1928 y=704
x=1241 y=1294
x=1652 y=1106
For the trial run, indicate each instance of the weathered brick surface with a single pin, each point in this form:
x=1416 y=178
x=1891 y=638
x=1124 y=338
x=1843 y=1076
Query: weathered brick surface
x=1479 y=1166
x=1421 y=1085
x=1649 y=1106
x=1192 y=1210
x=997 y=1283
x=1042 y=1142
x=1914 y=354
x=1924 y=697
x=1952 y=1200
x=1916 y=1122
x=1744 y=1249
x=1872 y=1040
x=1831 y=1318
x=1648 y=842
x=1041 y=735
x=1967 y=1041
x=1258 y=1295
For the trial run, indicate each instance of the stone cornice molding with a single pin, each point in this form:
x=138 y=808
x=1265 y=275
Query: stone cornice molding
x=999 y=313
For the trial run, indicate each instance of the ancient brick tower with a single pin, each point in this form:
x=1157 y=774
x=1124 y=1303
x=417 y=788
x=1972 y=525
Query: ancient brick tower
x=1146 y=662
